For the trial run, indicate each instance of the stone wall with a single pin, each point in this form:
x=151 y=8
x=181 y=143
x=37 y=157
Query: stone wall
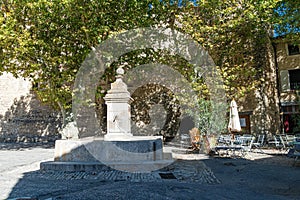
x=23 y=118
x=284 y=60
x=285 y=63
x=263 y=104
x=289 y=97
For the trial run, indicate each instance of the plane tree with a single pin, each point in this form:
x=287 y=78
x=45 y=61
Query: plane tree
x=47 y=40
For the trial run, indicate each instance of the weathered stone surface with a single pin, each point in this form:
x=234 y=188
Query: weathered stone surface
x=118 y=102
x=23 y=118
x=70 y=131
x=12 y=89
x=93 y=150
x=134 y=154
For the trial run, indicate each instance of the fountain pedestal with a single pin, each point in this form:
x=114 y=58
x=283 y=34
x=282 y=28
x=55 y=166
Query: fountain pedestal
x=119 y=149
x=118 y=102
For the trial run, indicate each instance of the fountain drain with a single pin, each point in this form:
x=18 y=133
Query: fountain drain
x=167 y=176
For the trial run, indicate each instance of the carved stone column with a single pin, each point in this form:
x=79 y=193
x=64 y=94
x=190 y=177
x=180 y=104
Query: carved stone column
x=118 y=102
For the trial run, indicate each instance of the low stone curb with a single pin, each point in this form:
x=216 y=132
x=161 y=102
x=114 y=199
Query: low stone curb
x=188 y=171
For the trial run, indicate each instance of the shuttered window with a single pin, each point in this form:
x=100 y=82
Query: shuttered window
x=294 y=76
x=290 y=80
x=284 y=80
x=293 y=49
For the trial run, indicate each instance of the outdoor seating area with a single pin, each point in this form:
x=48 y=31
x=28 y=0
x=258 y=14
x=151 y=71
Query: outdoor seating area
x=240 y=145
x=283 y=142
x=233 y=147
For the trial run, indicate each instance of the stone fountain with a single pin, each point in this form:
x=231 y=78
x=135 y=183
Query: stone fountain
x=118 y=149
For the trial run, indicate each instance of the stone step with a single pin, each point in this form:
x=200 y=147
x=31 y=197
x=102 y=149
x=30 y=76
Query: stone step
x=132 y=166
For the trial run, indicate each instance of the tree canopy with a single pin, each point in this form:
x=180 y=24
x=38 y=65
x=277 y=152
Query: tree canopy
x=47 y=40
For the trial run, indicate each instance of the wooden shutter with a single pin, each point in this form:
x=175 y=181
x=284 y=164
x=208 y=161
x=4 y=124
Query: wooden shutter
x=284 y=80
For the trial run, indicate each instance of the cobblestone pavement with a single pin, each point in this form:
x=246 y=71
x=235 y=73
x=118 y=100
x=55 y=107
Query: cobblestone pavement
x=180 y=170
x=193 y=176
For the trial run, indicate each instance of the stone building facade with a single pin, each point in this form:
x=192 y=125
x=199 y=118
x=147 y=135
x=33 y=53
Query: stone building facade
x=274 y=107
x=288 y=66
x=23 y=118
x=259 y=111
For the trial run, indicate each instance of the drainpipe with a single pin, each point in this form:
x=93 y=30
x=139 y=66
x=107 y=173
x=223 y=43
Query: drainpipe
x=277 y=86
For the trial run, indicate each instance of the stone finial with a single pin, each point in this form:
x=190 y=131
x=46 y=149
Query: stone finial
x=120 y=72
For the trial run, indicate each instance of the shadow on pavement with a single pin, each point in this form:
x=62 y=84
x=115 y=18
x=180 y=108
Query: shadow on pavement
x=272 y=177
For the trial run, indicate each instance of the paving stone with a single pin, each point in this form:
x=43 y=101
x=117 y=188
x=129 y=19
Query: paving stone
x=194 y=179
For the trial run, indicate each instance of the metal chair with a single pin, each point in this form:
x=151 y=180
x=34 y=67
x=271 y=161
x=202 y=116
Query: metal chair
x=289 y=140
x=246 y=149
x=277 y=142
x=259 y=142
x=184 y=140
x=296 y=152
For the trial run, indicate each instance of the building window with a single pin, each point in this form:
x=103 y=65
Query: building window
x=290 y=119
x=294 y=76
x=290 y=80
x=245 y=122
x=290 y=109
x=293 y=49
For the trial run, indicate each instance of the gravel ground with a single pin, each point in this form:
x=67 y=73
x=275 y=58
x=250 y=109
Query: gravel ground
x=196 y=176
